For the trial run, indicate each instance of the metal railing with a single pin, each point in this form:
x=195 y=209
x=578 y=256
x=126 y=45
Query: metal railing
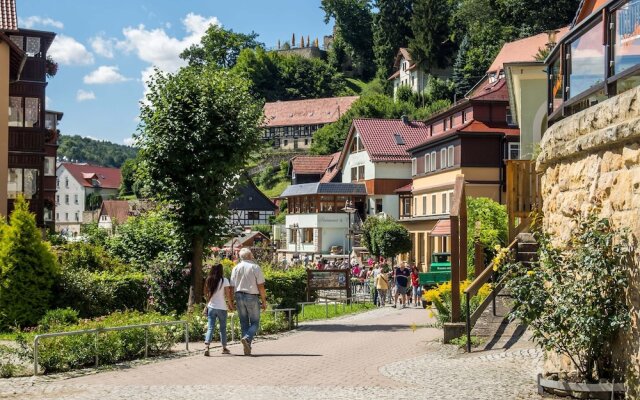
x=97 y=331
x=275 y=311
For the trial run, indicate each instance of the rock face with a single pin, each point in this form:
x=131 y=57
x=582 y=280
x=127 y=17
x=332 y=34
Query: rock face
x=593 y=159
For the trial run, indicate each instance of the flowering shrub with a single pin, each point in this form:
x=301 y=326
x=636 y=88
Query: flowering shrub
x=440 y=299
x=502 y=258
x=573 y=299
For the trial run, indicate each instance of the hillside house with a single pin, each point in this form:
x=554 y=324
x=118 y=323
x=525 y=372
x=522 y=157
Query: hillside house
x=411 y=74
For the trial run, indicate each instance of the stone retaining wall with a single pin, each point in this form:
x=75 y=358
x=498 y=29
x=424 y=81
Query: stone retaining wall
x=593 y=158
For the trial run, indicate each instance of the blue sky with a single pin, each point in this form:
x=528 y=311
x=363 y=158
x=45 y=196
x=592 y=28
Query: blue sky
x=105 y=49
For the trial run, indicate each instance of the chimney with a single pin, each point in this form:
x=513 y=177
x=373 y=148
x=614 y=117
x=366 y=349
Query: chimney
x=405 y=120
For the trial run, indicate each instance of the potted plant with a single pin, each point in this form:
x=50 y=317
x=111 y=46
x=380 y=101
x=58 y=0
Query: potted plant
x=573 y=300
x=51 y=67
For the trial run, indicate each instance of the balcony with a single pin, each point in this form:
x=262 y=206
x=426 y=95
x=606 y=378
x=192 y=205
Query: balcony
x=26 y=140
x=598 y=59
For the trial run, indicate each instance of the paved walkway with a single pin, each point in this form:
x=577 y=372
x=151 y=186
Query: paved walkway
x=383 y=354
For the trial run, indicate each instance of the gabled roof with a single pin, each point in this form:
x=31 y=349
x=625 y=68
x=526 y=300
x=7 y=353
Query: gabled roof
x=242 y=240
x=523 y=49
x=117 y=210
x=306 y=112
x=337 y=188
x=488 y=90
x=403 y=52
x=470 y=127
x=252 y=199
x=310 y=165
x=8 y=15
x=378 y=136
x=93 y=176
x=405 y=189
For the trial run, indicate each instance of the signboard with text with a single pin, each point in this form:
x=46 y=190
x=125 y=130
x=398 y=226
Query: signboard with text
x=329 y=279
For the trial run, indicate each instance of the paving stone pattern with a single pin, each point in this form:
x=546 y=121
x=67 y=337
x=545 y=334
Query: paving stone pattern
x=382 y=354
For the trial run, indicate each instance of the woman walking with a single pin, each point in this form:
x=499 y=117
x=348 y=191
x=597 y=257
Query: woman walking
x=382 y=285
x=218 y=291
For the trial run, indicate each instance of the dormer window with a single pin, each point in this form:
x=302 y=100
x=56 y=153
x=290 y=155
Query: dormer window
x=493 y=78
x=399 y=140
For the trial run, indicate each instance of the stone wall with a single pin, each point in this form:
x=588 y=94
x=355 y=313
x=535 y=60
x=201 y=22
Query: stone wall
x=593 y=158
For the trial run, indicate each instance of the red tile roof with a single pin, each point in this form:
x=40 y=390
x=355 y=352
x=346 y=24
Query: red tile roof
x=8 y=15
x=471 y=126
x=332 y=169
x=491 y=91
x=378 y=138
x=117 y=210
x=306 y=112
x=107 y=178
x=405 y=189
x=442 y=228
x=310 y=165
x=523 y=50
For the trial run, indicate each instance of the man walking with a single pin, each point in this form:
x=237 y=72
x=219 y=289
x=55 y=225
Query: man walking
x=247 y=282
x=402 y=280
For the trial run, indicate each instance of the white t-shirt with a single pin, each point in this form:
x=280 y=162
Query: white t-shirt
x=217 y=300
x=246 y=276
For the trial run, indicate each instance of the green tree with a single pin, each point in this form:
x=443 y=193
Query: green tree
x=198 y=130
x=353 y=20
x=93 y=201
x=128 y=173
x=93 y=234
x=391 y=30
x=96 y=152
x=383 y=236
x=493 y=231
x=27 y=269
x=432 y=45
x=219 y=47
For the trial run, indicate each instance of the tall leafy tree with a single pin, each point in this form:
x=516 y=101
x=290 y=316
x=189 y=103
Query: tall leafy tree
x=27 y=269
x=219 y=47
x=383 y=236
x=354 y=20
x=198 y=129
x=391 y=30
x=432 y=44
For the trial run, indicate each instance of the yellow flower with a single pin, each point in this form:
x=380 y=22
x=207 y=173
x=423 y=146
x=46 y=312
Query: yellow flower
x=531 y=273
x=430 y=314
x=497 y=247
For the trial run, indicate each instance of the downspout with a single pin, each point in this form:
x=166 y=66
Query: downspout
x=501 y=143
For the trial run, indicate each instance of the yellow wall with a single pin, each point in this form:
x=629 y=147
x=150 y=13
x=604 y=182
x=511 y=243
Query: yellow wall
x=4 y=124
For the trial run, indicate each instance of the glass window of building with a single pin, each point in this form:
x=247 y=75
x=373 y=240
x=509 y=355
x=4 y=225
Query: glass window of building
x=587 y=61
x=50 y=168
x=31 y=112
x=18 y=41
x=14 y=186
x=433 y=161
x=378 y=206
x=326 y=204
x=433 y=204
x=450 y=156
x=443 y=158
x=361 y=173
x=33 y=46
x=424 y=205
x=16 y=112
x=427 y=163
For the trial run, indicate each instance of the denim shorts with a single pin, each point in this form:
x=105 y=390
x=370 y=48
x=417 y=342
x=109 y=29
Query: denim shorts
x=417 y=291
x=400 y=289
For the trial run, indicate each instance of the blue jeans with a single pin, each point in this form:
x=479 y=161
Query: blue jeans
x=221 y=316
x=249 y=314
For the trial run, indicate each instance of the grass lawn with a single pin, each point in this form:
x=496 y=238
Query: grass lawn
x=319 y=311
x=356 y=85
x=7 y=336
x=276 y=190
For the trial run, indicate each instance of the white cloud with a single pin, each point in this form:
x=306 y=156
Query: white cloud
x=103 y=46
x=68 y=51
x=129 y=141
x=105 y=75
x=34 y=20
x=84 y=95
x=157 y=48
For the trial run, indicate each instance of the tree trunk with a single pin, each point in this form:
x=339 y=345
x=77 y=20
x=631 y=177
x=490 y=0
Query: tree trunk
x=196 y=289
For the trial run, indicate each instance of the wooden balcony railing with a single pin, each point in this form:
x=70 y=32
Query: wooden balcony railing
x=24 y=139
x=523 y=194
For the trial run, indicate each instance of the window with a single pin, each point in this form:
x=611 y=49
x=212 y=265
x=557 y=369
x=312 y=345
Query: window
x=424 y=205
x=33 y=46
x=103 y=218
x=75 y=199
x=433 y=204
x=450 y=195
x=445 y=204
x=66 y=216
x=18 y=41
x=443 y=158
x=354 y=174
x=433 y=161
x=50 y=166
x=427 y=163
x=306 y=142
x=57 y=183
x=356 y=145
x=253 y=215
x=626 y=37
x=16 y=112
x=406 y=211
x=66 y=199
x=22 y=181
x=450 y=157
x=326 y=204
x=57 y=216
x=293 y=238
x=285 y=143
x=514 y=151
x=361 y=173
x=510 y=120
x=398 y=138
x=66 y=182
x=57 y=199
x=378 y=206
x=77 y=217
x=587 y=61
x=414 y=167
x=307 y=235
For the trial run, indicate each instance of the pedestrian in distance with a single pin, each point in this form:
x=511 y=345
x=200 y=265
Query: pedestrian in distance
x=247 y=284
x=402 y=275
x=382 y=285
x=416 y=291
x=218 y=292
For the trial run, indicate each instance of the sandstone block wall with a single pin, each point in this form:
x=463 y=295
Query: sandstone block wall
x=593 y=158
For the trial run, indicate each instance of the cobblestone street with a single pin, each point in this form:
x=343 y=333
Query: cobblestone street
x=383 y=354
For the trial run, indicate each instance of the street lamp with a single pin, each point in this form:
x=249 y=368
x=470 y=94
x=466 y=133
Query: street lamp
x=349 y=209
x=295 y=227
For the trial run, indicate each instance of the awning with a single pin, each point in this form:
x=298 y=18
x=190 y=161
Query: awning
x=442 y=228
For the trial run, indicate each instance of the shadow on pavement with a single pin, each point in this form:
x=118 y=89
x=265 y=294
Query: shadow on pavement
x=280 y=355
x=354 y=328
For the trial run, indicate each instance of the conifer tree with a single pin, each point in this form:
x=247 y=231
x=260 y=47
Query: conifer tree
x=301 y=42
x=28 y=269
x=431 y=45
x=391 y=30
x=293 y=40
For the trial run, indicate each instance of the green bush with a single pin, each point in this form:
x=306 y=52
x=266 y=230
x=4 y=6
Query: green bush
x=69 y=352
x=58 y=317
x=28 y=269
x=285 y=288
x=493 y=228
x=86 y=256
x=94 y=294
x=168 y=279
